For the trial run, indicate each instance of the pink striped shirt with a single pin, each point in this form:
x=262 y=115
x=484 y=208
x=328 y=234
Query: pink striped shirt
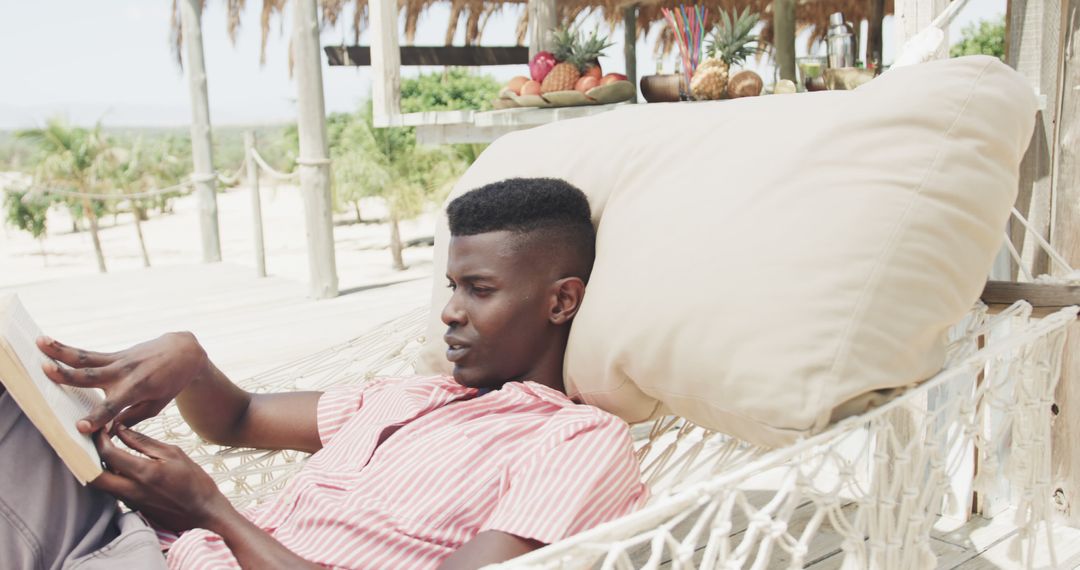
x=404 y=479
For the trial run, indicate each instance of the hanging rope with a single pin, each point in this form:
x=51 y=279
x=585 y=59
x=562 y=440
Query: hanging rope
x=275 y=174
x=235 y=178
x=1069 y=275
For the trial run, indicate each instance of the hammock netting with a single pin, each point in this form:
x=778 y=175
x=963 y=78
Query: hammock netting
x=871 y=486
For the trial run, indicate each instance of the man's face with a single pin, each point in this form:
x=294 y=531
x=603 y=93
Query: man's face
x=498 y=317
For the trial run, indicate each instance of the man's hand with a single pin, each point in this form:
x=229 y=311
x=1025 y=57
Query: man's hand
x=138 y=382
x=166 y=485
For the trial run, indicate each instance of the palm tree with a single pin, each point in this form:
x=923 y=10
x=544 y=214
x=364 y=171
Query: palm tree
x=70 y=156
x=125 y=169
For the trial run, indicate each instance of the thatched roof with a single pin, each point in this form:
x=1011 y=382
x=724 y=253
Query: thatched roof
x=475 y=14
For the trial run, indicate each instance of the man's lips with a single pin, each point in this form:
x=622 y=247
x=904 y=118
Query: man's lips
x=455 y=349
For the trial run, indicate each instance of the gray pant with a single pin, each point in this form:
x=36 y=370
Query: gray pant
x=49 y=521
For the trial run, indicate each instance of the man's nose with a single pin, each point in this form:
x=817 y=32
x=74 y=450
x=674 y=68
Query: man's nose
x=452 y=313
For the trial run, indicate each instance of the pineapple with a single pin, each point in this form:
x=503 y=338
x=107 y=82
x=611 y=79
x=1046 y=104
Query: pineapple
x=589 y=52
x=729 y=45
x=565 y=74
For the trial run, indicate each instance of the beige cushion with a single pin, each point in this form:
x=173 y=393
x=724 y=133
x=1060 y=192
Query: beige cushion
x=763 y=261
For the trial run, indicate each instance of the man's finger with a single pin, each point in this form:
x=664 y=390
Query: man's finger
x=81 y=377
x=139 y=412
x=144 y=444
x=116 y=485
x=102 y=413
x=118 y=460
x=74 y=357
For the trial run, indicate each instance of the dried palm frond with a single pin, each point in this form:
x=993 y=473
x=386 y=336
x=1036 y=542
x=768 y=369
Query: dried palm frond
x=809 y=15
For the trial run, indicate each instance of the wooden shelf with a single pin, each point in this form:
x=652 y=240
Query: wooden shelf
x=445 y=127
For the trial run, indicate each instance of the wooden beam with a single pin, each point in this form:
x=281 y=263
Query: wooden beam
x=313 y=162
x=1041 y=295
x=1065 y=237
x=385 y=61
x=457 y=56
x=1033 y=42
x=630 y=14
x=201 y=149
x=784 y=37
x=543 y=19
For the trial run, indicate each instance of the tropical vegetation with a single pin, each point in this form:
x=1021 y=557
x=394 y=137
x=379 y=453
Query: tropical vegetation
x=986 y=37
x=389 y=165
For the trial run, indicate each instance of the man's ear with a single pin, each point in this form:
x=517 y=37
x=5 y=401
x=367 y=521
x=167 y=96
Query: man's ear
x=569 y=291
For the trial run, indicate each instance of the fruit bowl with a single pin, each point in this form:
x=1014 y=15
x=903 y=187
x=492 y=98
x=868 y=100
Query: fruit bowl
x=613 y=92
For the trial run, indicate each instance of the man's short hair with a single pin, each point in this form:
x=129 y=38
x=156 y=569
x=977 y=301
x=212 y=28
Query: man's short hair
x=547 y=211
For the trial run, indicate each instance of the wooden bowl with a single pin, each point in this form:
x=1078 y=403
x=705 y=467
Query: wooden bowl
x=661 y=88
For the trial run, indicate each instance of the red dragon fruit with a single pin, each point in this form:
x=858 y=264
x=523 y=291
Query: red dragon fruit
x=541 y=64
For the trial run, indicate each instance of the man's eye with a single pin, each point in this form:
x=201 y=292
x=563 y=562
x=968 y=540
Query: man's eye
x=451 y=286
x=482 y=290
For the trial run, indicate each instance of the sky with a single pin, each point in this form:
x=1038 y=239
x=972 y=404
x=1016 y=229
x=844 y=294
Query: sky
x=112 y=61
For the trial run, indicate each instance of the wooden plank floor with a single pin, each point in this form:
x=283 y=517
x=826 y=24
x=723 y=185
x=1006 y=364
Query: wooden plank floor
x=247 y=324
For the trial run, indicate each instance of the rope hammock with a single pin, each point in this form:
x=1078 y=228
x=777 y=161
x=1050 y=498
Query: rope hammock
x=871 y=486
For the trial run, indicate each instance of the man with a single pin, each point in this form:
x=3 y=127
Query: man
x=448 y=472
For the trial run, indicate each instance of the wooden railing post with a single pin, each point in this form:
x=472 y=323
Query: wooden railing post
x=201 y=153
x=313 y=162
x=385 y=61
x=256 y=202
x=1065 y=237
x=1033 y=48
x=913 y=16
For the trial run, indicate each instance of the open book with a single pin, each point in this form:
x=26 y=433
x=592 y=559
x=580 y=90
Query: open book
x=52 y=408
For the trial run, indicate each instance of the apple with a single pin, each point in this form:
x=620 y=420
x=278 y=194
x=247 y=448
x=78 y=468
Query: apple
x=516 y=83
x=612 y=78
x=585 y=83
x=530 y=88
x=541 y=64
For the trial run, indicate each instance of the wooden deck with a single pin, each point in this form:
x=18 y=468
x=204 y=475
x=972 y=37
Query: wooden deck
x=247 y=324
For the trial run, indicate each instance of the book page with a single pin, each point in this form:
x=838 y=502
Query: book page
x=70 y=404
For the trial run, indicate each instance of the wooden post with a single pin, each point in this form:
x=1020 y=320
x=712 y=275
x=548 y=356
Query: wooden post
x=542 y=20
x=313 y=162
x=912 y=16
x=1034 y=28
x=385 y=61
x=256 y=202
x=201 y=153
x=784 y=37
x=630 y=44
x=874 y=37
x=1065 y=237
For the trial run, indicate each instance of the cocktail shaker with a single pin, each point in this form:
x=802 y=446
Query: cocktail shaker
x=840 y=42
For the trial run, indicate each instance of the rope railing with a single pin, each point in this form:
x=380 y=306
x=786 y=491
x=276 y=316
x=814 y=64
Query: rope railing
x=271 y=171
x=258 y=163
x=35 y=191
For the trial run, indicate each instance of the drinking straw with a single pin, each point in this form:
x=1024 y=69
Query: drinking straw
x=688 y=30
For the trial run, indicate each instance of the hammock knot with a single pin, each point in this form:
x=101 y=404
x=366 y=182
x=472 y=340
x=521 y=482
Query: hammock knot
x=777 y=528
